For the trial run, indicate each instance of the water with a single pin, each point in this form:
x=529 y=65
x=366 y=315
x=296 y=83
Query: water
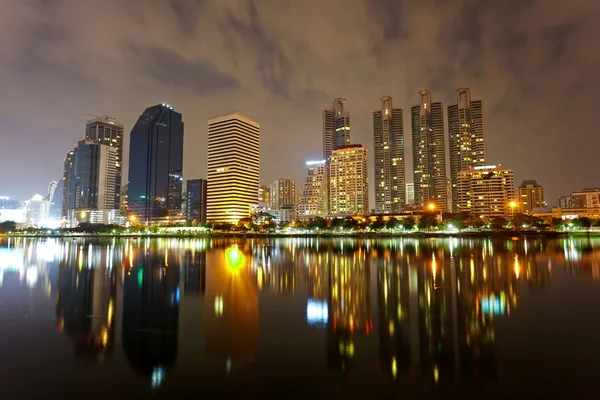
x=299 y=318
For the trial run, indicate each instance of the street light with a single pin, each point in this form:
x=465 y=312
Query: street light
x=431 y=207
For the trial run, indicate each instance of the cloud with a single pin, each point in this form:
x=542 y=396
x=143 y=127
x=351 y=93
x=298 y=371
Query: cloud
x=531 y=61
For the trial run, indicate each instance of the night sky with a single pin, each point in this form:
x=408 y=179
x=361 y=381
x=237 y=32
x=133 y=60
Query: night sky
x=535 y=63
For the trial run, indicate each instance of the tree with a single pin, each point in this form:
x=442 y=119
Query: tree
x=378 y=224
x=408 y=223
x=350 y=224
x=582 y=223
x=392 y=223
x=8 y=226
x=557 y=223
x=427 y=221
x=336 y=223
x=498 y=223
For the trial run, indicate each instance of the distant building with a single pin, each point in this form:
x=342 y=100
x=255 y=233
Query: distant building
x=315 y=196
x=348 y=181
x=429 y=152
x=586 y=198
x=12 y=210
x=283 y=193
x=104 y=130
x=264 y=194
x=336 y=127
x=410 y=194
x=68 y=163
x=565 y=202
x=196 y=201
x=388 y=140
x=466 y=131
x=155 y=165
x=233 y=167
x=487 y=191
x=124 y=200
x=531 y=195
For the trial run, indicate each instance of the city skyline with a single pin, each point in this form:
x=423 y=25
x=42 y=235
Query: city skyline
x=523 y=85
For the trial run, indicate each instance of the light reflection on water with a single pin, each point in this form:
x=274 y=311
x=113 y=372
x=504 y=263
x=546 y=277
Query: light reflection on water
x=420 y=312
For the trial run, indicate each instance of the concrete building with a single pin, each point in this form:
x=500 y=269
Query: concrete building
x=233 y=167
x=264 y=194
x=487 y=191
x=388 y=140
x=586 y=198
x=466 y=131
x=336 y=127
x=429 y=154
x=348 y=181
x=283 y=193
x=410 y=194
x=314 y=198
x=195 y=210
x=530 y=196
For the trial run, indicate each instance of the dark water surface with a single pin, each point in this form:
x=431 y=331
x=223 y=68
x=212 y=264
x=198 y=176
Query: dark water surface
x=299 y=318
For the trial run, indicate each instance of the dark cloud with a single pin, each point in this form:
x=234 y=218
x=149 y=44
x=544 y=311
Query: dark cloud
x=531 y=61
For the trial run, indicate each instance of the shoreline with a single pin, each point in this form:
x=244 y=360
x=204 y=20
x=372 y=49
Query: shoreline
x=357 y=235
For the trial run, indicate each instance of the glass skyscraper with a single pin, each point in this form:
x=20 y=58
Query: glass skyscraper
x=155 y=165
x=196 y=200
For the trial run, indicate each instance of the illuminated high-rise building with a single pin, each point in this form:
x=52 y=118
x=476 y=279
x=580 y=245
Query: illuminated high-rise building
x=104 y=130
x=531 y=195
x=429 y=155
x=233 y=166
x=348 y=181
x=196 y=201
x=65 y=189
x=466 y=131
x=264 y=194
x=283 y=193
x=155 y=165
x=315 y=196
x=336 y=127
x=388 y=139
x=410 y=194
x=487 y=191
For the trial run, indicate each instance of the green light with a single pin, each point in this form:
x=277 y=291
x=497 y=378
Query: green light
x=234 y=258
x=140 y=277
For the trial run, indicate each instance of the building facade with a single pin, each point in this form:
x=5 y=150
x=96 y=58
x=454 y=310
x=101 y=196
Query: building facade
x=410 y=194
x=466 y=131
x=155 y=166
x=531 y=195
x=104 y=130
x=429 y=155
x=586 y=198
x=336 y=127
x=348 y=181
x=315 y=196
x=233 y=167
x=283 y=193
x=388 y=140
x=487 y=191
x=196 y=201
x=68 y=163
x=264 y=194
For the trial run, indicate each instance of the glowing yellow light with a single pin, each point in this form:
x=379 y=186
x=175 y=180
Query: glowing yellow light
x=219 y=305
x=391 y=328
x=517 y=267
x=431 y=206
x=132 y=218
x=234 y=258
x=104 y=337
x=436 y=374
x=512 y=204
x=394 y=367
x=110 y=312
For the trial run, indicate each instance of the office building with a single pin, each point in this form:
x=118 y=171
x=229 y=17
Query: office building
x=531 y=195
x=233 y=167
x=336 y=127
x=388 y=140
x=586 y=198
x=264 y=194
x=283 y=193
x=429 y=156
x=155 y=166
x=410 y=194
x=196 y=201
x=348 y=181
x=565 y=202
x=105 y=130
x=315 y=196
x=466 y=131
x=67 y=165
x=487 y=191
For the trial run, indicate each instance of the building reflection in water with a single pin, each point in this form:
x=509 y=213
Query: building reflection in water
x=231 y=312
x=151 y=295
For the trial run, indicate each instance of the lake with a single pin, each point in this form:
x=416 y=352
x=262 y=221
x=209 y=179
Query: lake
x=297 y=318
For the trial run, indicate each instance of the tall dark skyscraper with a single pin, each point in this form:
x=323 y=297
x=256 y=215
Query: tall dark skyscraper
x=388 y=138
x=466 y=133
x=196 y=200
x=155 y=165
x=104 y=130
x=429 y=155
x=336 y=127
x=65 y=189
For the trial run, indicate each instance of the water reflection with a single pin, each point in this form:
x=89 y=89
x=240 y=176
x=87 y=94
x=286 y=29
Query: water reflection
x=430 y=306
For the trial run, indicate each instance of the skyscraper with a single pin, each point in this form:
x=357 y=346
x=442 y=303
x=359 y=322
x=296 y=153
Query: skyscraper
x=65 y=189
x=466 y=138
x=348 y=181
x=315 y=195
x=336 y=127
x=531 y=195
x=233 y=166
x=489 y=191
x=429 y=155
x=264 y=194
x=91 y=179
x=388 y=139
x=155 y=165
x=104 y=130
x=283 y=193
x=196 y=200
